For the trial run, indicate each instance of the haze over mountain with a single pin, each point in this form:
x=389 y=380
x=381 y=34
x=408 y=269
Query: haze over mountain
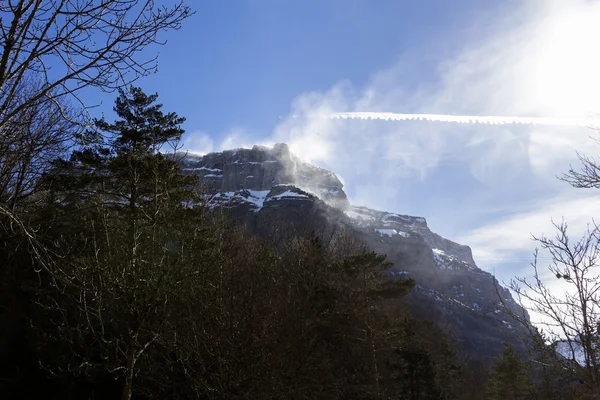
x=275 y=195
x=311 y=200
x=259 y=63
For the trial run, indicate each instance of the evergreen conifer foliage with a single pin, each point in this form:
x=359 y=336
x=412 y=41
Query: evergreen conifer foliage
x=510 y=378
x=146 y=294
x=142 y=127
x=128 y=241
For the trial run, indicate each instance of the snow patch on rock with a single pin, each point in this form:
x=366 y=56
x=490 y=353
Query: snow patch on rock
x=444 y=260
x=392 y=232
x=288 y=194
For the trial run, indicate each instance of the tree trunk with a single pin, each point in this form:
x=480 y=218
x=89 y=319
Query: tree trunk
x=128 y=387
x=374 y=362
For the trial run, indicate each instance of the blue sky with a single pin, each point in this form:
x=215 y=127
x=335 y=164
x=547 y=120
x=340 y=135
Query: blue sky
x=239 y=69
x=240 y=64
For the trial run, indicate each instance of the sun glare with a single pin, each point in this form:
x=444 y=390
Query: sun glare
x=565 y=62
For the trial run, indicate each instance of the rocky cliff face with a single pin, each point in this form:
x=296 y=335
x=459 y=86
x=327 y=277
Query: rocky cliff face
x=271 y=191
x=390 y=224
x=261 y=169
x=450 y=289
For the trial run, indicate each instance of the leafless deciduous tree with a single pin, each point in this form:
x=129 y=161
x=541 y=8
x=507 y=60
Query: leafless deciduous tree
x=50 y=50
x=571 y=312
x=75 y=44
x=570 y=315
x=36 y=136
x=587 y=177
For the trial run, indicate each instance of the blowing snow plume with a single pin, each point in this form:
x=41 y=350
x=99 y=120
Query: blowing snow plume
x=469 y=119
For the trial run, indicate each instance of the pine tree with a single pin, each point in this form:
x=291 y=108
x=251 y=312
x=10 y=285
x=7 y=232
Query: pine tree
x=420 y=362
x=128 y=241
x=509 y=377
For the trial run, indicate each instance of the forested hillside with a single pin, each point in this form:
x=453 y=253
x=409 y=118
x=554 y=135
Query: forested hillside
x=124 y=275
x=131 y=287
x=120 y=280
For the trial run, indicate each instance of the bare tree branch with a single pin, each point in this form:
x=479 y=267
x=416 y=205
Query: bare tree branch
x=74 y=44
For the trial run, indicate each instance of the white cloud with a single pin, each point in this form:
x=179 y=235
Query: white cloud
x=530 y=62
x=234 y=138
x=535 y=61
x=505 y=248
x=509 y=240
x=198 y=142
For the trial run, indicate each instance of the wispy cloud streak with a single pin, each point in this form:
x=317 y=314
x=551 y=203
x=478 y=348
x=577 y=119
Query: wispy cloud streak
x=469 y=119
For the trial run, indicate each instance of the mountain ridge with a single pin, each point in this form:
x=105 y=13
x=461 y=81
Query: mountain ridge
x=268 y=188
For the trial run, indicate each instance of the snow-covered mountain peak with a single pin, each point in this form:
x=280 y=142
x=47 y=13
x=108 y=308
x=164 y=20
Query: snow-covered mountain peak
x=403 y=225
x=255 y=200
x=274 y=194
x=262 y=168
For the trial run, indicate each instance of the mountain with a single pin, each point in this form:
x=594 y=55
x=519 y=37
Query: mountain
x=262 y=169
x=275 y=194
x=571 y=350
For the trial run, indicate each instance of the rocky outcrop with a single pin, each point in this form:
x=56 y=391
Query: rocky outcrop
x=276 y=195
x=450 y=289
x=391 y=224
x=262 y=168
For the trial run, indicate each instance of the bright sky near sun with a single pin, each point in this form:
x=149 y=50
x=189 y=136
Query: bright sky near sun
x=258 y=71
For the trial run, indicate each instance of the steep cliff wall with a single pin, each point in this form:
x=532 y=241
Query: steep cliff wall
x=262 y=168
x=274 y=194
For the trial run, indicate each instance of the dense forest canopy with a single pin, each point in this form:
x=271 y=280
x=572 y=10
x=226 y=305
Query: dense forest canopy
x=118 y=280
